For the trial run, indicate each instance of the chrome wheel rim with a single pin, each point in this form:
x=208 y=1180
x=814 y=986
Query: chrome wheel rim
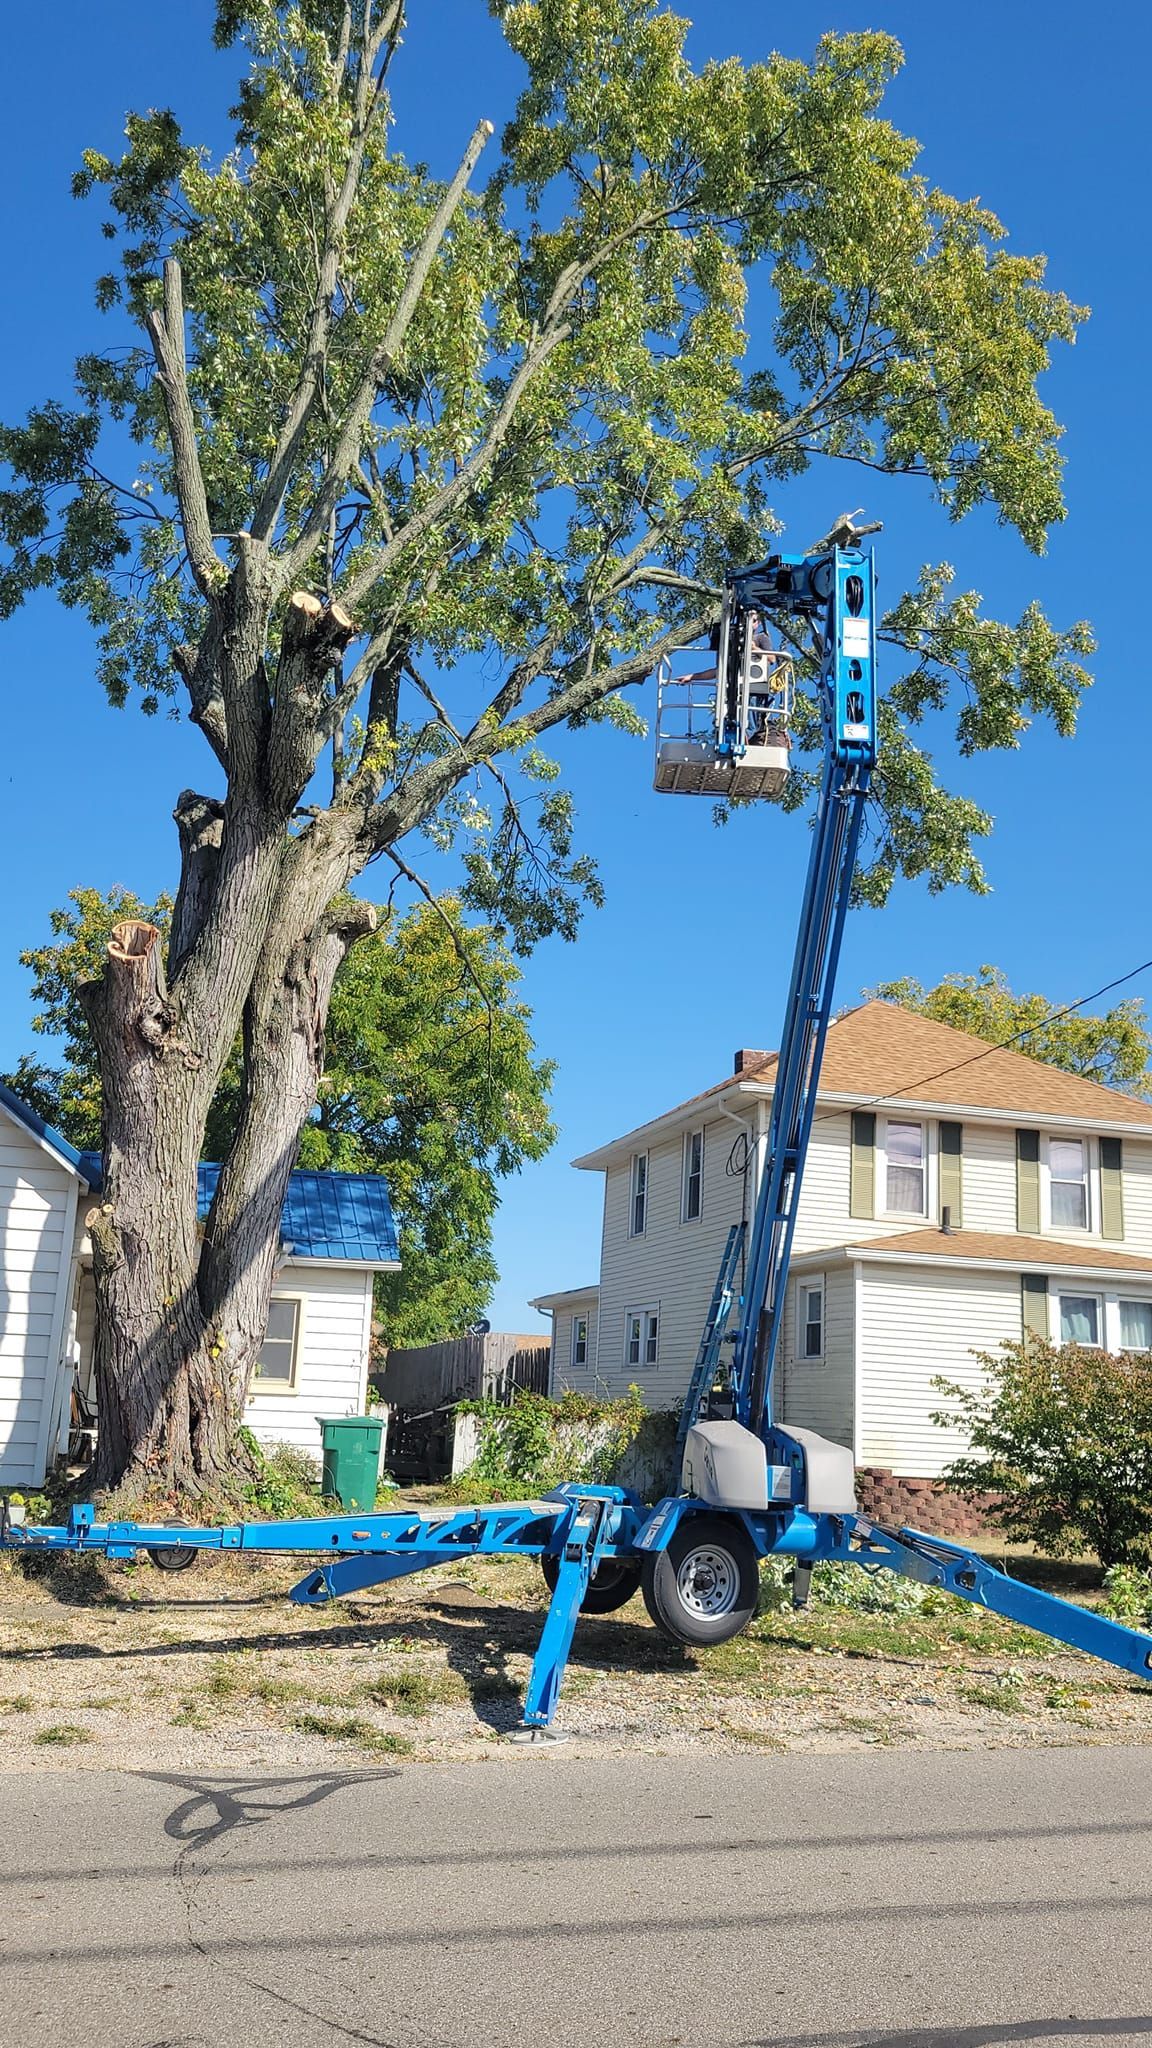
x=708 y=1582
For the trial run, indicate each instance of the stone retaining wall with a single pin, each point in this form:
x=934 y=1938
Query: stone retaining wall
x=920 y=1504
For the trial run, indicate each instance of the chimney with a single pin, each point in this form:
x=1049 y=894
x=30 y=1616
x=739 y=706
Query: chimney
x=748 y=1057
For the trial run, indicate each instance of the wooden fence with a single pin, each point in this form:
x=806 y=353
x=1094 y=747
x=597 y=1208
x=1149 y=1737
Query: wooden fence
x=422 y=1385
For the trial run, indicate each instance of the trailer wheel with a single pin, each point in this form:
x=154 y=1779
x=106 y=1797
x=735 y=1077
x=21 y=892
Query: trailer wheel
x=173 y=1557
x=612 y=1585
x=705 y=1587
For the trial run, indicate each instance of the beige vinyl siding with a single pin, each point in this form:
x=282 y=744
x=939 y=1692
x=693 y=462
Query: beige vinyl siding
x=989 y=1177
x=1137 y=1172
x=35 y=1196
x=331 y=1358
x=819 y=1393
x=824 y=1216
x=917 y=1322
x=671 y=1268
x=580 y=1378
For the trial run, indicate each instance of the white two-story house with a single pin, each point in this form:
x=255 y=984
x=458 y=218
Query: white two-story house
x=956 y=1194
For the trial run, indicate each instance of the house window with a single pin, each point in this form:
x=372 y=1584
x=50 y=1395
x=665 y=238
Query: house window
x=579 y=1340
x=1068 y=1183
x=905 y=1169
x=810 y=1327
x=638 y=1209
x=641 y=1336
x=693 y=1176
x=1136 y=1326
x=276 y=1365
x=1079 y=1319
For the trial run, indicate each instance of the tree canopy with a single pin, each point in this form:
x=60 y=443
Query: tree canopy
x=1113 y=1048
x=429 y=1077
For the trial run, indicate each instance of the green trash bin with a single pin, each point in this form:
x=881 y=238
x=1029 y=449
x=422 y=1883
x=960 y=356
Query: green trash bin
x=351 y=1457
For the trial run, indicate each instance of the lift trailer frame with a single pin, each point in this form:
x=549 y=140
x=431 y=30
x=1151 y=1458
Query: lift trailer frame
x=578 y=1528
x=579 y=1531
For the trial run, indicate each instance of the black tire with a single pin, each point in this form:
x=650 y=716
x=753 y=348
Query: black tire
x=705 y=1587
x=174 y=1557
x=613 y=1583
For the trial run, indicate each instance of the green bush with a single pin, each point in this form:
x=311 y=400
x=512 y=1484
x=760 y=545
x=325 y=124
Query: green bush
x=537 y=1443
x=1128 y=1595
x=1061 y=1437
x=285 y=1486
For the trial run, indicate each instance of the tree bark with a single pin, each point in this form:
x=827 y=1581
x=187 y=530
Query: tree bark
x=163 y=1419
x=283 y=1061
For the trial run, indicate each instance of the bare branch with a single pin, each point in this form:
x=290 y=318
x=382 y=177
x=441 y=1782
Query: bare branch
x=347 y=450
x=166 y=333
x=315 y=349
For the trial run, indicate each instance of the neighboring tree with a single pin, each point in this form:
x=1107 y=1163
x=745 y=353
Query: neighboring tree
x=429 y=1077
x=1114 y=1048
x=1061 y=1439
x=383 y=413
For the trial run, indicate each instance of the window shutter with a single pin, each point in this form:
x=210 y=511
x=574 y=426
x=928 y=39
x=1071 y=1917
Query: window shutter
x=1034 y=1304
x=1028 y=1181
x=1111 y=1188
x=862 y=1188
x=951 y=1173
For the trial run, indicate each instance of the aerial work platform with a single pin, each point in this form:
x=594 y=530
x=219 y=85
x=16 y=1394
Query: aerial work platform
x=722 y=728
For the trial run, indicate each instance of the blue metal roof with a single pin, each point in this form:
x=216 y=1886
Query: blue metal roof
x=325 y=1215
x=330 y=1215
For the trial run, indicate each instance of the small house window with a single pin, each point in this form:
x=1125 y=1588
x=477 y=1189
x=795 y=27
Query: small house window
x=810 y=1336
x=905 y=1169
x=1136 y=1326
x=1079 y=1319
x=641 y=1336
x=276 y=1365
x=638 y=1213
x=1068 y=1183
x=693 y=1175
x=579 y=1340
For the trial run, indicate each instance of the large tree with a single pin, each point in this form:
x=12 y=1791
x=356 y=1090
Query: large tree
x=429 y=1076
x=1113 y=1047
x=422 y=469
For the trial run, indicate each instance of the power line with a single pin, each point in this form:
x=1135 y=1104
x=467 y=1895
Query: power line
x=1001 y=1045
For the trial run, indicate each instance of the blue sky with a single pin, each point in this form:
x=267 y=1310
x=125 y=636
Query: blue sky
x=1040 y=113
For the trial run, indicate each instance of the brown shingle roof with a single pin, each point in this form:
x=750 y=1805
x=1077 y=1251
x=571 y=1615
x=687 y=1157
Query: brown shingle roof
x=882 y=1050
x=992 y=1247
x=881 y=1053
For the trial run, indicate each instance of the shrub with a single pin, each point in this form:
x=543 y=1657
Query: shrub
x=851 y=1588
x=537 y=1443
x=1061 y=1437
x=1128 y=1595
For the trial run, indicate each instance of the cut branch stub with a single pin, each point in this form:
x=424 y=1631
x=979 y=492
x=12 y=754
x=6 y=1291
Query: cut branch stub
x=312 y=644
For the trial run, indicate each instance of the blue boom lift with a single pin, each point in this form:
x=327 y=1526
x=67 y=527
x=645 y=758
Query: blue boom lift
x=750 y=1488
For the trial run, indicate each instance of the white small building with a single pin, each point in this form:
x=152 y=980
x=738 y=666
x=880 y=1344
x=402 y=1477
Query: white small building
x=337 y=1233
x=956 y=1194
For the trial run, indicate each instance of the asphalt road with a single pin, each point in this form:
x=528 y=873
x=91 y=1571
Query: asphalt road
x=914 y=1901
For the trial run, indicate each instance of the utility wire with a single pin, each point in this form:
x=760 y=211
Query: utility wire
x=1001 y=1045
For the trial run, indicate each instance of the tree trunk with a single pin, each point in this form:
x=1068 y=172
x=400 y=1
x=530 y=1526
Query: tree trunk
x=283 y=1061
x=164 y=1418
